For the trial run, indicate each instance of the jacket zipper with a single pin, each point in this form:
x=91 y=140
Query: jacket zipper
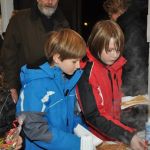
x=109 y=75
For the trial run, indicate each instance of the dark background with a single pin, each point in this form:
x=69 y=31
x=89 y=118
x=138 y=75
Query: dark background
x=76 y=11
x=91 y=13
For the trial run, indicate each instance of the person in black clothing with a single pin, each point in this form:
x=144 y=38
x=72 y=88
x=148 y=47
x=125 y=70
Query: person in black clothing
x=131 y=15
x=25 y=37
x=134 y=25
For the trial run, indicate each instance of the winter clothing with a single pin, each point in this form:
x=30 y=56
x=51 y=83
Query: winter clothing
x=101 y=103
x=25 y=38
x=135 y=73
x=47 y=100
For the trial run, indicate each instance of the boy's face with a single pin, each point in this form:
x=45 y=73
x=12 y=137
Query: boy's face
x=111 y=55
x=47 y=7
x=69 y=66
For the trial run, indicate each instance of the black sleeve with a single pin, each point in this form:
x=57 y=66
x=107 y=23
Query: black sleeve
x=93 y=116
x=10 y=51
x=35 y=127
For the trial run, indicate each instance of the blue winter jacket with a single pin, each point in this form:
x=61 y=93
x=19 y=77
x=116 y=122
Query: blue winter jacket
x=47 y=100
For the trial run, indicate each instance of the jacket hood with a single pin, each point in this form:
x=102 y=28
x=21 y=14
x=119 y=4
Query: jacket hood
x=43 y=71
x=117 y=65
x=46 y=71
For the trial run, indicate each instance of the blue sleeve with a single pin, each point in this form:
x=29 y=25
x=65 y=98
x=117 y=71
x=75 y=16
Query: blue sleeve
x=36 y=126
x=61 y=141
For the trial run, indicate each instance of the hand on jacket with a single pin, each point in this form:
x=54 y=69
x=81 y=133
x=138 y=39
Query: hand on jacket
x=14 y=95
x=138 y=143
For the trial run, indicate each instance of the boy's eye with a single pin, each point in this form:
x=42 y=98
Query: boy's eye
x=113 y=50
x=109 y=50
x=74 y=62
x=117 y=51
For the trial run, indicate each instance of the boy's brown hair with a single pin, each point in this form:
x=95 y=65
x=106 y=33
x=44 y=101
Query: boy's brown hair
x=65 y=42
x=100 y=37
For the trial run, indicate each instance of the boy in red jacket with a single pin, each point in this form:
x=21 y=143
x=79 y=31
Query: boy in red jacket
x=99 y=88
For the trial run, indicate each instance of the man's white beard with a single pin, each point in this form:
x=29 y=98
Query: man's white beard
x=47 y=11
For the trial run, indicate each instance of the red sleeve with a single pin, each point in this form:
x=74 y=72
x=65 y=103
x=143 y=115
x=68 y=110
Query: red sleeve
x=98 y=119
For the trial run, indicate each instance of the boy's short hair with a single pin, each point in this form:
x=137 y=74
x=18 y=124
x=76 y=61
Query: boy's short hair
x=67 y=43
x=115 y=6
x=101 y=34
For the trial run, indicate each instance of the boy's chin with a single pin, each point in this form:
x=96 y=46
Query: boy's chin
x=70 y=73
x=110 y=63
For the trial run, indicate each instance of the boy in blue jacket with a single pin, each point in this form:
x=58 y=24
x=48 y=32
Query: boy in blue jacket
x=47 y=98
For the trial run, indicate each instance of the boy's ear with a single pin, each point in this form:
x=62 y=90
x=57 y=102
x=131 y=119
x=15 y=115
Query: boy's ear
x=56 y=58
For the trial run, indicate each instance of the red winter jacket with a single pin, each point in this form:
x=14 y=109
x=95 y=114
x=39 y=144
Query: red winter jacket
x=99 y=96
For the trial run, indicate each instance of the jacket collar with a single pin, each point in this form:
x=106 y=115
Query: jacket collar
x=55 y=72
x=117 y=65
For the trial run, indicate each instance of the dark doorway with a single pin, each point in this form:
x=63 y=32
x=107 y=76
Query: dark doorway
x=92 y=11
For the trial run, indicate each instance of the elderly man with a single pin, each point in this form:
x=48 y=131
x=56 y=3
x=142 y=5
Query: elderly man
x=25 y=37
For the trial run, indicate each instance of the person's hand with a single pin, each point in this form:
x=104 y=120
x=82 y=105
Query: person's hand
x=14 y=95
x=18 y=142
x=138 y=143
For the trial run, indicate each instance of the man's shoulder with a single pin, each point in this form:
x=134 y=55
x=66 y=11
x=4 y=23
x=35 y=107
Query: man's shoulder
x=23 y=12
x=22 y=15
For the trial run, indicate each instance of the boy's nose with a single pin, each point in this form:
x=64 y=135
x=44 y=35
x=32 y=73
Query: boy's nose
x=114 y=54
x=78 y=64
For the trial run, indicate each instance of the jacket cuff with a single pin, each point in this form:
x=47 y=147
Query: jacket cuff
x=127 y=137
